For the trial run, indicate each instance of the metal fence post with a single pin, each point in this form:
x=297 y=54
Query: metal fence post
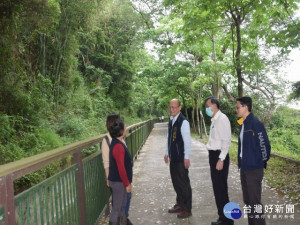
x=81 y=190
x=7 y=205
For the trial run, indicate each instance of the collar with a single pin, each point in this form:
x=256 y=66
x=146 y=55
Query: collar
x=241 y=121
x=248 y=117
x=174 y=118
x=216 y=116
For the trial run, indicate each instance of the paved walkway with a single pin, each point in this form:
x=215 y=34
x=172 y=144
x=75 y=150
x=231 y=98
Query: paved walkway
x=153 y=192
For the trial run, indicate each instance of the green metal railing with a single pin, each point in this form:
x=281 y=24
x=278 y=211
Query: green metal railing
x=76 y=195
x=54 y=201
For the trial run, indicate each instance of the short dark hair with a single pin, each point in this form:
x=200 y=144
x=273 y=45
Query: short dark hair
x=213 y=101
x=116 y=129
x=246 y=101
x=111 y=119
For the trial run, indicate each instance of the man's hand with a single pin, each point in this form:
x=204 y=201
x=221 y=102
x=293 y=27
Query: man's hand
x=166 y=158
x=220 y=165
x=128 y=188
x=187 y=163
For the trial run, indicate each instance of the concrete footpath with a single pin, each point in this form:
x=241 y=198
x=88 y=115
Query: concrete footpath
x=153 y=193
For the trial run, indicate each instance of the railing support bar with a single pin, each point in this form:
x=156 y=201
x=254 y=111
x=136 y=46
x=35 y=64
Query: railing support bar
x=7 y=200
x=77 y=158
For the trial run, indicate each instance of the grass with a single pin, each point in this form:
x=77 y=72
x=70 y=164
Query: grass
x=286 y=153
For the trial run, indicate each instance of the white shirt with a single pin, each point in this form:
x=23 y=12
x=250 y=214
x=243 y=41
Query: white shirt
x=186 y=136
x=220 y=134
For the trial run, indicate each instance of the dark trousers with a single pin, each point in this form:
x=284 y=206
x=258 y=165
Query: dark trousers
x=251 y=185
x=219 y=182
x=181 y=183
x=128 y=204
x=119 y=199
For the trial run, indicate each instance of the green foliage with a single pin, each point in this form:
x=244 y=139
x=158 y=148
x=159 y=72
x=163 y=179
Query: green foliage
x=295 y=95
x=6 y=129
x=10 y=152
x=49 y=139
x=285 y=131
x=283 y=140
x=64 y=66
x=71 y=126
x=236 y=37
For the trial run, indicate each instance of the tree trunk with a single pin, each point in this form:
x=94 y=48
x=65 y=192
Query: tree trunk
x=43 y=54
x=200 y=110
x=193 y=116
x=216 y=85
x=204 y=126
x=238 y=66
x=186 y=114
x=185 y=108
x=198 y=116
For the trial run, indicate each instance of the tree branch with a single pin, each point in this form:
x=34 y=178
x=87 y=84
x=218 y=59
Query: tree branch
x=229 y=96
x=271 y=100
x=142 y=15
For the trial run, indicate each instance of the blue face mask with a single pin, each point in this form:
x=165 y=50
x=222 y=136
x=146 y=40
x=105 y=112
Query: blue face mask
x=209 y=112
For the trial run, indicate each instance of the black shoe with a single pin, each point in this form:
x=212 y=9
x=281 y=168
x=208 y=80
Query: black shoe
x=221 y=222
x=218 y=222
x=129 y=222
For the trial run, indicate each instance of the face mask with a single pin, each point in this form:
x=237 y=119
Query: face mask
x=209 y=112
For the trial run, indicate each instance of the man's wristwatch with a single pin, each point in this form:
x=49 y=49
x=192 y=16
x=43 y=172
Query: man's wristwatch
x=222 y=160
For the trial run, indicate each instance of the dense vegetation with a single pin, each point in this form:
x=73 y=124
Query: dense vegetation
x=66 y=64
x=284 y=132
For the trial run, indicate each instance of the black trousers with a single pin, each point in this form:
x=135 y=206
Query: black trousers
x=219 y=182
x=181 y=183
x=251 y=185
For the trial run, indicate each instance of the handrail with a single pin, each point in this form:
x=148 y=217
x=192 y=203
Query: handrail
x=16 y=168
x=41 y=159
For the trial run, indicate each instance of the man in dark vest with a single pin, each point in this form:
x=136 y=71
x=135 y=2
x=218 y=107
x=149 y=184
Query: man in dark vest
x=178 y=153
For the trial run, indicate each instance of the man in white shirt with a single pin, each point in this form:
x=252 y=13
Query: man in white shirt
x=218 y=145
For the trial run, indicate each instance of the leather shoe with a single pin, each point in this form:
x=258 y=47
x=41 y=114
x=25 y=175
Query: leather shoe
x=184 y=214
x=129 y=222
x=220 y=222
x=176 y=209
